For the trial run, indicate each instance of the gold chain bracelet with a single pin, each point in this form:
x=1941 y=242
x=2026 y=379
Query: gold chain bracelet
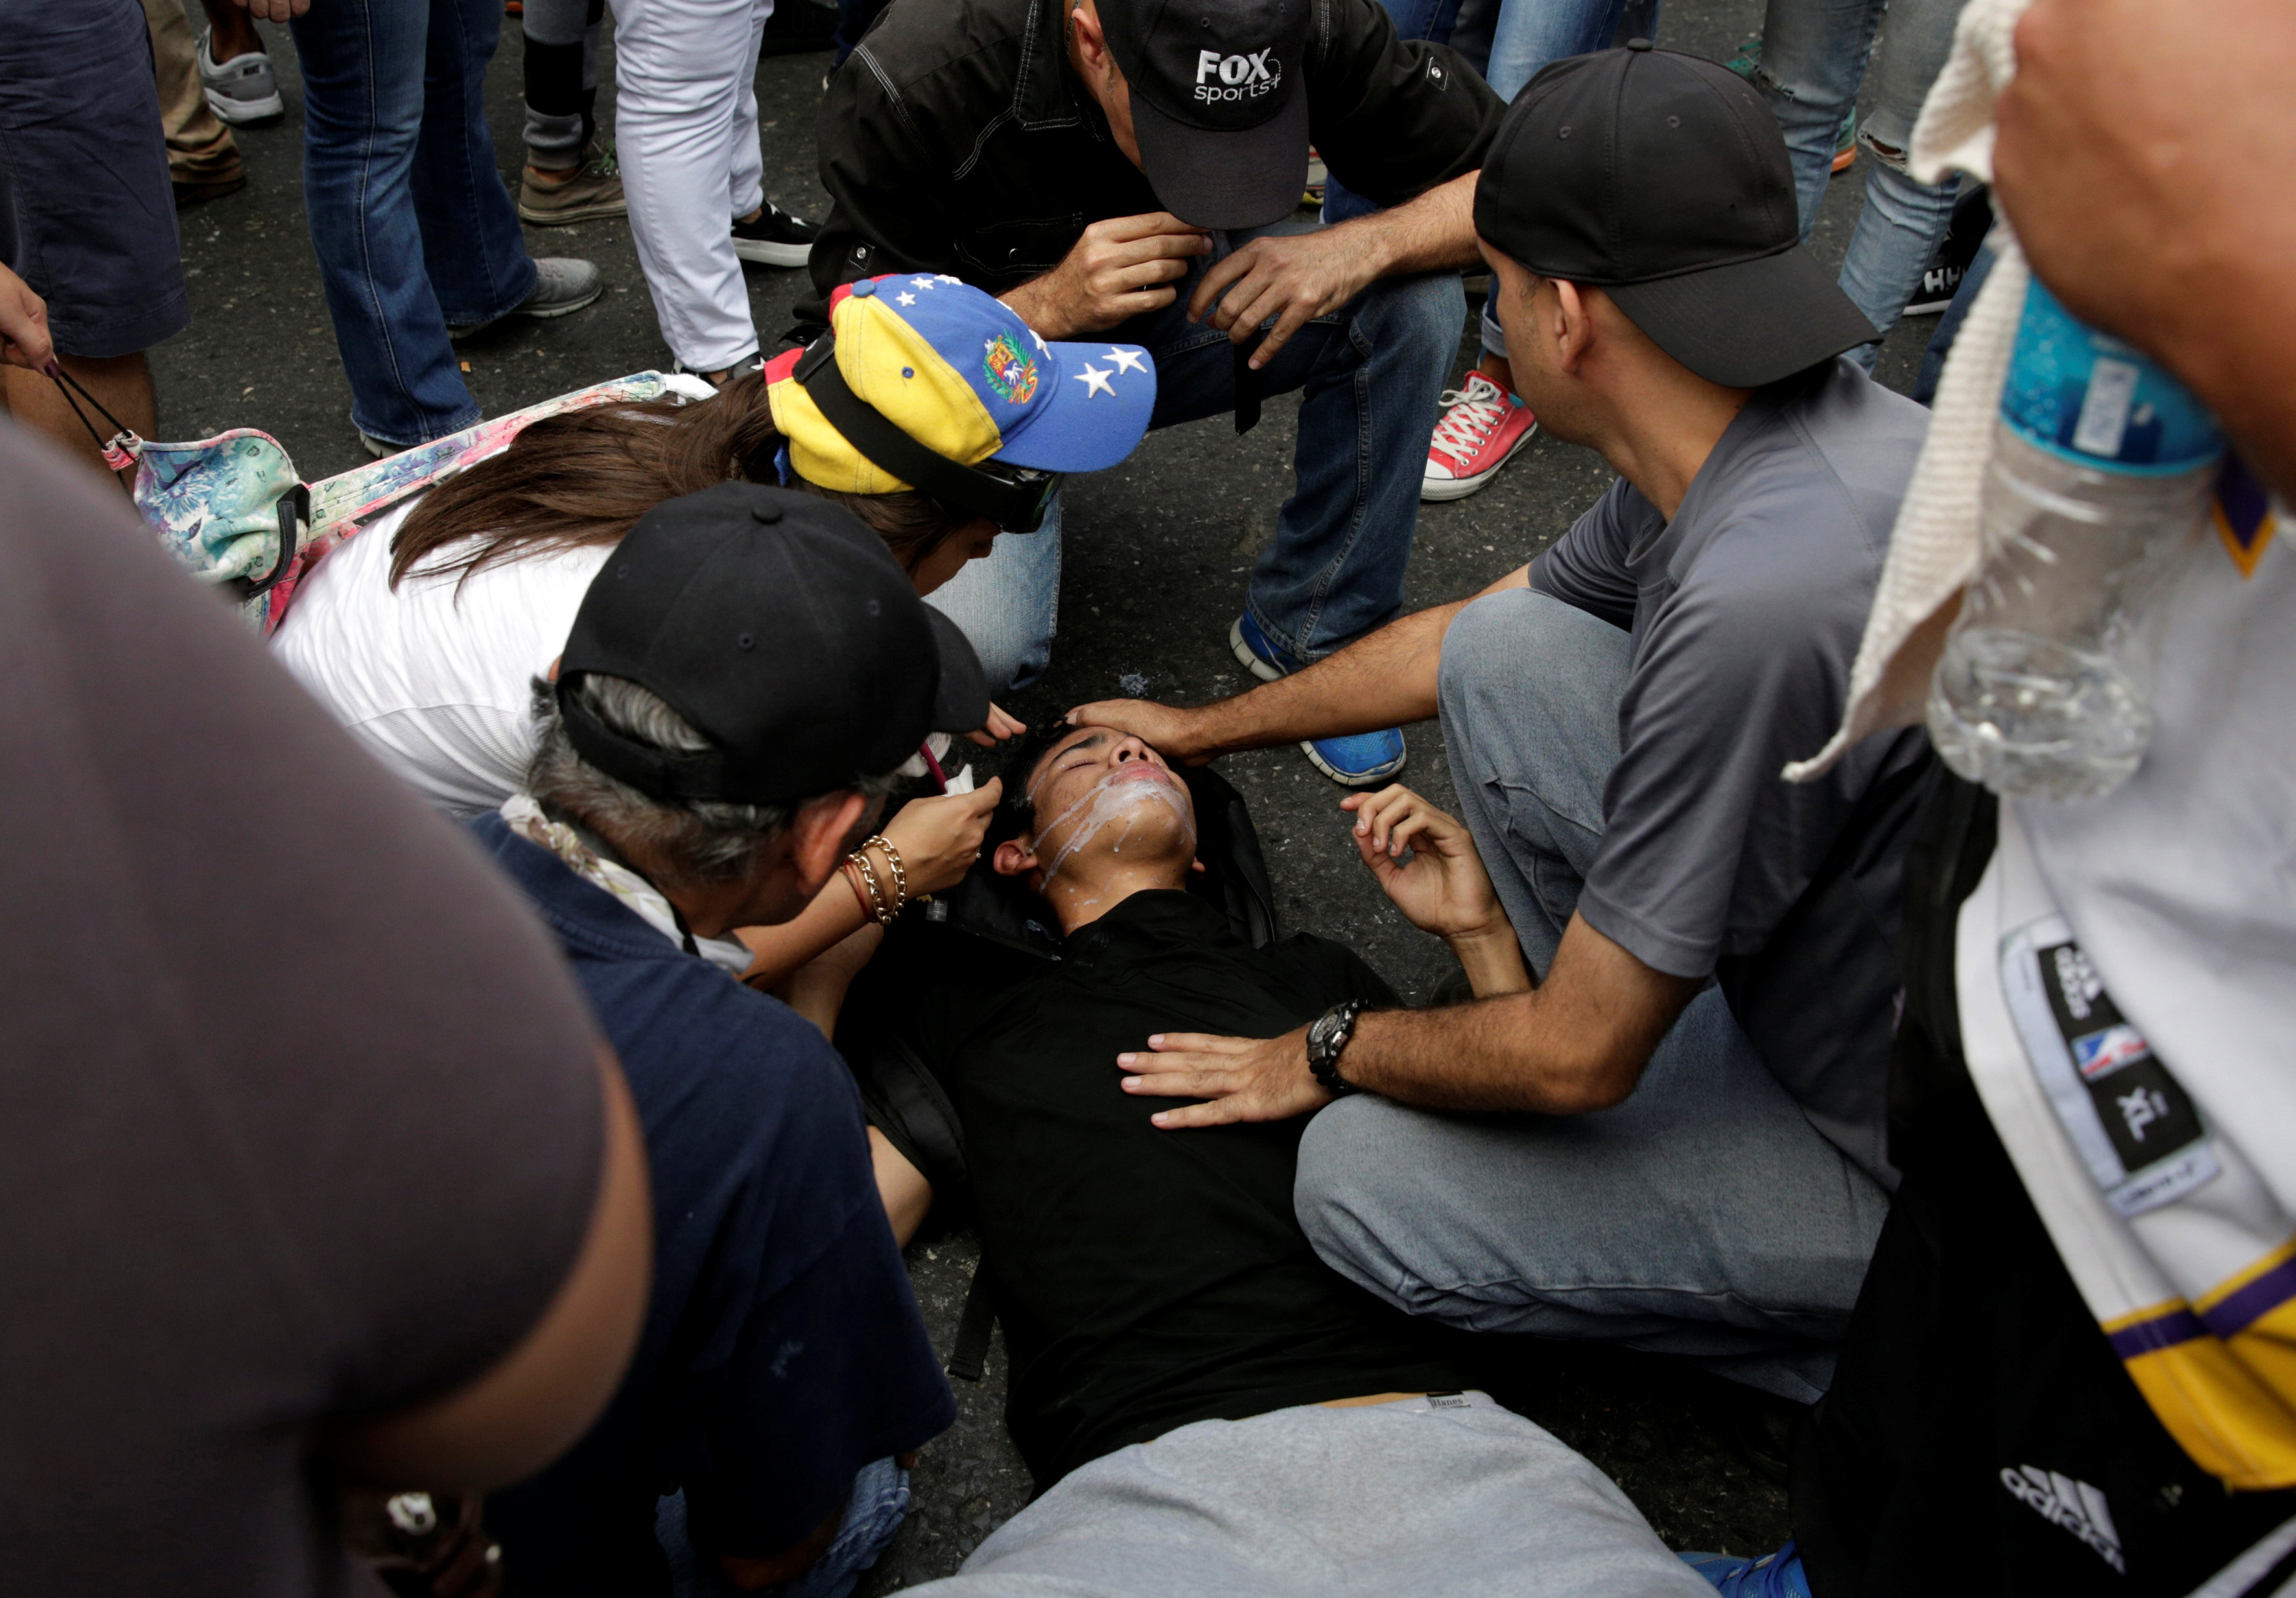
x=860 y=858
x=900 y=877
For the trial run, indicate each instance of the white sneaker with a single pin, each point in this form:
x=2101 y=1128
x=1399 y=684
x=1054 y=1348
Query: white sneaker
x=1482 y=427
x=243 y=89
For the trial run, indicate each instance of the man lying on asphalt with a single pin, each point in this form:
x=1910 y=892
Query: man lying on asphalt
x=1616 y=716
x=1210 y=1408
x=1119 y=166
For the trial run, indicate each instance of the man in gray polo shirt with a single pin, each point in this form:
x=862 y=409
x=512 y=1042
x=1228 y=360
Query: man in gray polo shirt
x=1711 y=970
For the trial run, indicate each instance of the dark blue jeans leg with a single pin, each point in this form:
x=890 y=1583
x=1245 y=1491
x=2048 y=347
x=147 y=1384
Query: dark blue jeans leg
x=363 y=64
x=471 y=246
x=1370 y=374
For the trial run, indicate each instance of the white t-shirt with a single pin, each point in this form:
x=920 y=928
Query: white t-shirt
x=435 y=681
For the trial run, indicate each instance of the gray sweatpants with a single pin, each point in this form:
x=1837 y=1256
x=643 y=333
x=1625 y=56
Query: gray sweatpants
x=1704 y=1217
x=1392 y=1501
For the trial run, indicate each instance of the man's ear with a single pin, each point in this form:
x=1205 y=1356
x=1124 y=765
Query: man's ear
x=1196 y=866
x=1014 y=858
x=817 y=835
x=1091 y=43
x=1573 y=326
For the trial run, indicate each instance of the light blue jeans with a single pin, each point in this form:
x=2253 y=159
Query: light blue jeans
x=878 y=1505
x=1704 y=1217
x=1008 y=603
x=1814 y=58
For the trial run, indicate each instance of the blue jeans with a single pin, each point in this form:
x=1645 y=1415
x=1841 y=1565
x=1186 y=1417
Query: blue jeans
x=1007 y=604
x=1704 y=1217
x=1904 y=221
x=1813 y=63
x=1370 y=374
x=409 y=218
x=878 y=1505
x=1527 y=36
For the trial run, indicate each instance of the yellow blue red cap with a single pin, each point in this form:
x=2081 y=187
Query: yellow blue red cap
x=958 y=370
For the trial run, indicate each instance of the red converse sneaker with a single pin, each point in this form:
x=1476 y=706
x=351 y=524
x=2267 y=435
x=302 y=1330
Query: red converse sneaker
x=1482 y=427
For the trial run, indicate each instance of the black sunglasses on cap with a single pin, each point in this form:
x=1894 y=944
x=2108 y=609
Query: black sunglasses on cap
x=1013 y=497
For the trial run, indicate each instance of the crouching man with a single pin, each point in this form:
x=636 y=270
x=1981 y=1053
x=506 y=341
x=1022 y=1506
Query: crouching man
x=1707 y=1043
x=747 y=666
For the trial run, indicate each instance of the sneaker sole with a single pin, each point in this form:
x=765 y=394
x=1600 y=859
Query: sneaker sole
x=1437 y=490
x=455 y=335
x=1927 y=307
x=597 y=212
x=773 y=255
x=1352 y=779
x=1251 y=662
x=550 y=313
x=1266 y=672
x=239 y=113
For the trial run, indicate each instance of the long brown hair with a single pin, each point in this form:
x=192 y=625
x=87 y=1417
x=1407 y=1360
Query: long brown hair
x=581 y=479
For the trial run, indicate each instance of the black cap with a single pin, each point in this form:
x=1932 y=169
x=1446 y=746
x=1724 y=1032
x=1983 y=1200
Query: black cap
x=784 y=631
x=1663 y=180
x=1219 y=104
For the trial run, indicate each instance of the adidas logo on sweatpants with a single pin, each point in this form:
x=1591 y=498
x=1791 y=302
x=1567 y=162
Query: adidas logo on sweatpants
x=2075 y=1505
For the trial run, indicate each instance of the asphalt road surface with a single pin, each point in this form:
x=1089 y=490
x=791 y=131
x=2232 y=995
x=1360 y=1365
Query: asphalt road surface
x=1154 y=567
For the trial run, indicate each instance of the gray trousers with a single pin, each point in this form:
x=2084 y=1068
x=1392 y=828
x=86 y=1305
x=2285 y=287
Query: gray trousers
x=1392 y=1501
x=1704 y=1217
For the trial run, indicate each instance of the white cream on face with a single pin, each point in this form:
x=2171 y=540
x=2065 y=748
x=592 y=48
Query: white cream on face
x=1117 y=796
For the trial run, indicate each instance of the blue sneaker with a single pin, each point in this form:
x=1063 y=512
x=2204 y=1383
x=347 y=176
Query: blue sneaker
x=1357 y=761
x=1777 y=1575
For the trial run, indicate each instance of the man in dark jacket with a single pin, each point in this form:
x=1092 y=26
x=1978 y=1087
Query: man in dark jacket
x=1112 y=167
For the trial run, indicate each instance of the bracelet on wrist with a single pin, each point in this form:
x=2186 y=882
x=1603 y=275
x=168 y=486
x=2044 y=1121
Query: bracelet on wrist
x=900 y=876
x=860 y=858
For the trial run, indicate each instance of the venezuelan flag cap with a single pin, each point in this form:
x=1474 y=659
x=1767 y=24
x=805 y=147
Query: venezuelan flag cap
x=958 y=372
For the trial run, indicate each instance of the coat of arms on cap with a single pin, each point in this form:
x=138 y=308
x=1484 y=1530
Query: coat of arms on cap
x=1011 y=372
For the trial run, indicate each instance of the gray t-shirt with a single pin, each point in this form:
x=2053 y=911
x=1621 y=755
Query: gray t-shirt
x=300 y=1118
x=1746 y=612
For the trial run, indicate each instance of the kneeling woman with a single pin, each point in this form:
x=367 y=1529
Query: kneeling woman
x=939 y=423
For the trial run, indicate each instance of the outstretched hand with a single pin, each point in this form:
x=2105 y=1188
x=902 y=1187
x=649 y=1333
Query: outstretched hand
x=1442 y=888
x=939 y=838
x=1121 y=268
x=1169 y=729
x=1002 y=724
x=1289 y=281
x=1239 y=1079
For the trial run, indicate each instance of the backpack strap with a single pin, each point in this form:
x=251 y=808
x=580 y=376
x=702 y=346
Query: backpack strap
x=969 y=1360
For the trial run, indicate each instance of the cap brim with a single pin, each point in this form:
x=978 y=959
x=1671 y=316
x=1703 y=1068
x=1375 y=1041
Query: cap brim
x=1248 y=178
x=962 y=703
x=1750 y=323
x=1096 y=413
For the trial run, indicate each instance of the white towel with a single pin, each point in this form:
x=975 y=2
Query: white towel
x=1934 y=549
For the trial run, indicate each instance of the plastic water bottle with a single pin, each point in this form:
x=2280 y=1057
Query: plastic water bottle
x=2100 y=475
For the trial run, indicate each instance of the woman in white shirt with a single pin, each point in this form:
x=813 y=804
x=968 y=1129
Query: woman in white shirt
x=425 y=633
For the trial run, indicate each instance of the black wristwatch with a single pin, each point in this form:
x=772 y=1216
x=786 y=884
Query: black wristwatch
x=1326 y=1036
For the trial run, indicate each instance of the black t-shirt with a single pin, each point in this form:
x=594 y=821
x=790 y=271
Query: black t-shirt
x=300 y=1118
x=1150 y=1279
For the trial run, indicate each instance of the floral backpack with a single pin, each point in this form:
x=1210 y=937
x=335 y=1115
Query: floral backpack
x=234 y=513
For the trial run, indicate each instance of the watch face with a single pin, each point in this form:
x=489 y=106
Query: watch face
x=1319 y=1036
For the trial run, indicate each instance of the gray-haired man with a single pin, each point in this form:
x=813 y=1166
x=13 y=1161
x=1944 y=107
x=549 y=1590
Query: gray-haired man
x=746 y=670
